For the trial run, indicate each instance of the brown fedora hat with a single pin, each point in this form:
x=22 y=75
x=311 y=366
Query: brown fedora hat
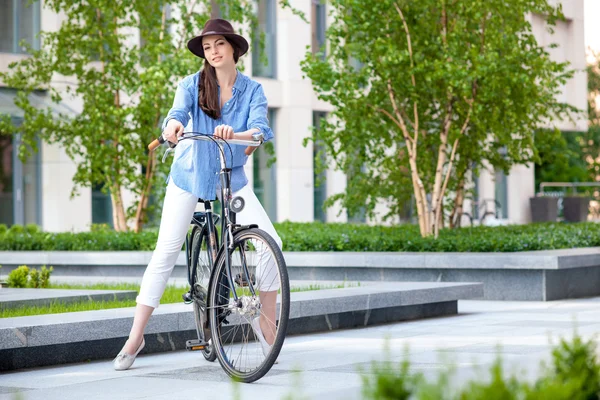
x=217 y=26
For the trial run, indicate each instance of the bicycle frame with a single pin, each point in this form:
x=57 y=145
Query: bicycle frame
x=207 y=223
x=227 y=216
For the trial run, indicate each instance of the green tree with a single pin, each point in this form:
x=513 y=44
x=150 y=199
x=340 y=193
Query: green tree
x=590 y=142
x=593 y=73
x=574 y=156
x=125 y=82
x=424 y=90
x=561 y=157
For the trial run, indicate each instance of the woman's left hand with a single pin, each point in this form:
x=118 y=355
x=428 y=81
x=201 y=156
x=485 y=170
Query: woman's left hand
x=224 y=132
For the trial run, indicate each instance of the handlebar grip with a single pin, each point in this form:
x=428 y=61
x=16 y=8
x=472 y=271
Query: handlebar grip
x=156 y=142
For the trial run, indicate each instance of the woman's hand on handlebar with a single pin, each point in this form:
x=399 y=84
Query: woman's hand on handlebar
x=224 y=132
x=173 y=131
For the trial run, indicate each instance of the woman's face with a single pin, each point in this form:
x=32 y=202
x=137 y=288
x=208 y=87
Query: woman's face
x=218 y=51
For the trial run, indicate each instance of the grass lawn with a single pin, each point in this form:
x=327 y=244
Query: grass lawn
x=172 y=295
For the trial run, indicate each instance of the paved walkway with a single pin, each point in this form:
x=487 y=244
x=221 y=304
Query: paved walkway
x=329 y=362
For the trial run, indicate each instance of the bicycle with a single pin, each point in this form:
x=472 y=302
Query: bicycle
x=227 y=283
x=482 y=209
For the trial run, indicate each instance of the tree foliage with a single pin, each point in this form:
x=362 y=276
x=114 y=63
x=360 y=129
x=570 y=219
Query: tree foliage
x=593 y=73
x=122 y=61
x=423 y=91
x=574 y=156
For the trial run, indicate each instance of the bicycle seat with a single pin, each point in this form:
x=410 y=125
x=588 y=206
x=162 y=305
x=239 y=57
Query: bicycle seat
x=199 y=217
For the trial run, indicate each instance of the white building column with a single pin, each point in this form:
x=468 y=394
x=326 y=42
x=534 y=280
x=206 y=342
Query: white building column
x=521 y=187
x=295 y=181
x=336 y=183
x=60 y=212
x=487 y=188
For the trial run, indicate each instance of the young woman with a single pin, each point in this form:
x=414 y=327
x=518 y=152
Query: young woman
x=220 y=100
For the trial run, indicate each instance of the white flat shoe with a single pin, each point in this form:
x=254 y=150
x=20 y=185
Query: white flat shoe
x=266 y=347
x=124 y=361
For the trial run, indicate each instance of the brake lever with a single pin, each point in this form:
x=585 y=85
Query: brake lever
x=170 y=149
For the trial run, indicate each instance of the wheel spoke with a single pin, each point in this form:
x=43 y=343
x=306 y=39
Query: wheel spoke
x=256 y=265
x=201 y=267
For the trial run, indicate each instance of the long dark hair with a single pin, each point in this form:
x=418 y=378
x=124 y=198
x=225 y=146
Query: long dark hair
x=208 y=92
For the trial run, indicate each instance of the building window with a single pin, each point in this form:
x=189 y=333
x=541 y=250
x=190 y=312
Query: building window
x=215 y=10
x=265 y=177
x=501 y=194
x=31 y=186
x=475 y=202
x=6 y=181
x=102 y=212
x=20 y=183
x=266 y=14
x=319 y=179
x=19 y=20
x=318 y=25
x=360 y=216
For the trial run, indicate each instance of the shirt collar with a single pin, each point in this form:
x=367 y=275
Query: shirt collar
x=240 y=82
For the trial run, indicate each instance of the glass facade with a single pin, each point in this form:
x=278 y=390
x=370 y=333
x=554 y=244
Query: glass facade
x=101 y=207
x=6 y=181
x=20 y=185
x=501 y=194
x=320 y=182
x=19 y=20
x=265 y=177
x=318 y=25
x=266 y=11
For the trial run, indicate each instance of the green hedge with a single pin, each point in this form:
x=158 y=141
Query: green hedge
x=347 y=237
x=335 y=237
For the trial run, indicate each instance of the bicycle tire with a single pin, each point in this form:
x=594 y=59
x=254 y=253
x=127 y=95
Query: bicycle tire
x=201 y=276
x=219 y=300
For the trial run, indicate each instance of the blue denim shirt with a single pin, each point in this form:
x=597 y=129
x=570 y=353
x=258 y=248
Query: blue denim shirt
x=196 y=164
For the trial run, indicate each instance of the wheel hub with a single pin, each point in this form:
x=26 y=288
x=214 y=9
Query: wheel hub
x=247 y=305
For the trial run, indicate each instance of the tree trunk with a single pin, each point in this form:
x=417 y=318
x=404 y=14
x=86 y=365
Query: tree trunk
x=119 y=218
x=438 y=190
x=420 y=198
x=457 y=209
x=145 y=195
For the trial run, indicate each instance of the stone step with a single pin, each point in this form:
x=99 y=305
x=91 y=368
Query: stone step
x=517 y=276
x=73 y=337
x=14 y=298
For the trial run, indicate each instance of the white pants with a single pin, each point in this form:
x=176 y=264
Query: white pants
x=178 y=208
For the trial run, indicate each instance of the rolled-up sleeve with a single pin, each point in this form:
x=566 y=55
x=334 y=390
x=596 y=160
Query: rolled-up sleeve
x=257 y=118
x=182 y=105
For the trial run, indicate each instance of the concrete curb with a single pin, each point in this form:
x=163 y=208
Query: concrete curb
x=539 y=260
x=60 y=338
x=14 y=298
x=522 y=276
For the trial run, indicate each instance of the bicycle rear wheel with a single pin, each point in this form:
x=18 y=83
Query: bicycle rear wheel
x=200 y=257
x=248 y=335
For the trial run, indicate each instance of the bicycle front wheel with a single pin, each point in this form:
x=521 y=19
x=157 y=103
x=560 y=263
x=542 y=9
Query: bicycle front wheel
x=248 y=334
x=201 y=265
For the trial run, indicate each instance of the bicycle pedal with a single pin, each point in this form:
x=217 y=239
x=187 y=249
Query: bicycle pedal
x=187 y=297
x=195 y=345
x=242 y=281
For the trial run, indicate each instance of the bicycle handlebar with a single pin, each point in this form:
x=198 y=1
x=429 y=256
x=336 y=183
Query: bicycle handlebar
x=257 y=141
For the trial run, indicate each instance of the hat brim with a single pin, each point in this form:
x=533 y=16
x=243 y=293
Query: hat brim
x=195 y=44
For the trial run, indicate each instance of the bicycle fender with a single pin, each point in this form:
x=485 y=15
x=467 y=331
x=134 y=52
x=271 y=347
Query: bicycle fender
x=236 y=230
x=244 y=228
